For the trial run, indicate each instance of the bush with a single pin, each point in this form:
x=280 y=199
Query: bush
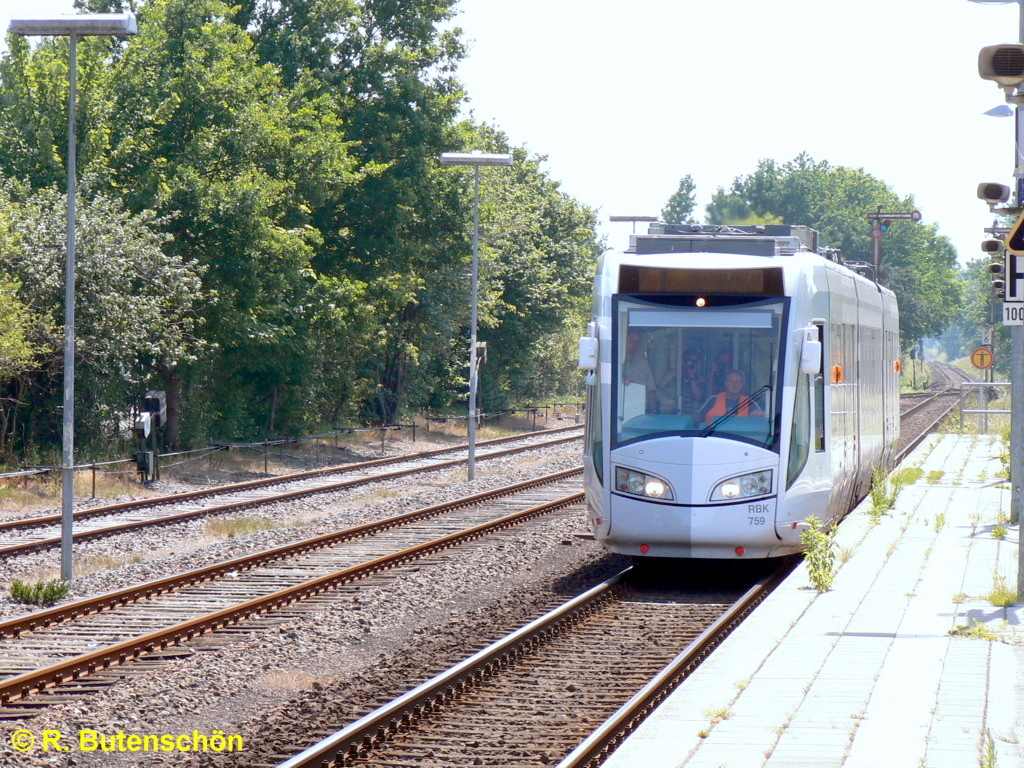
x=819 y=554
x=44 y=593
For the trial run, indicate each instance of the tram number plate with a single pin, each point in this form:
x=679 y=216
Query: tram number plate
x=1013 y=313
x=757 y=514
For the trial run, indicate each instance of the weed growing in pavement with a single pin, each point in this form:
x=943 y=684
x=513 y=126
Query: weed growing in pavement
x=976 y=630
x=909 y=475
x=884 y=490
x=43 y=593
x=819 y=554
x=1001 y=596
x=999 y=532
x=989 y=759
x=959 y=598
x=715 y=716
x=843 y=554
x=935 y=476
x=952 y=423
x=939 y=522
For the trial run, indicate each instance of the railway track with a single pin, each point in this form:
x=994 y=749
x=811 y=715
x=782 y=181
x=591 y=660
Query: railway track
x=572 y=683
x=46 y=649
x=39 y=533
x=925 y=412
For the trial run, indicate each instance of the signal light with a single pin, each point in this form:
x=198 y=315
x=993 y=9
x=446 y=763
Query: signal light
x=645 y=548
x=1002 y=63
x=992 y=246
x=993 y=193
x=996 y=268
x=997 y=284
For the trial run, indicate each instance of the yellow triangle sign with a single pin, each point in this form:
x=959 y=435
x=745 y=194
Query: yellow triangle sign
x=1015 y=240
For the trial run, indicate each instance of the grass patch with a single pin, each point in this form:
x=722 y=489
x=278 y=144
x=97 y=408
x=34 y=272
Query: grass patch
x=976 y=630
x=843 y=554
x=1001 y=596
x=715 y=716
x=909 y=475
x=90 y=565
x=884 y=490
x=43 y=593
x=238 y=526
x=935 y=476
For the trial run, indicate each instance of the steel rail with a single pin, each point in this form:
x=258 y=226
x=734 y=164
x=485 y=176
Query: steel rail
x=613 y=731
x=23 y=685
x=177 y=498
x=89 y=606
x=359 y=737
x=113 y=530
x=909 y=447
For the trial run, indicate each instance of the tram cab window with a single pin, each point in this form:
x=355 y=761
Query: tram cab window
x=673 y=359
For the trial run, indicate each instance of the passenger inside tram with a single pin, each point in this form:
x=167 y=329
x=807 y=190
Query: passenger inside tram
x=636 y=370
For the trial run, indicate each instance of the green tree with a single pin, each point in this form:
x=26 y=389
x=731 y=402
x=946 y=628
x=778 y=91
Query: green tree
x=17 y=353
x=980 y=309
x=679 y=208
x=388 y=68
x=136 y=308
x=206 y=135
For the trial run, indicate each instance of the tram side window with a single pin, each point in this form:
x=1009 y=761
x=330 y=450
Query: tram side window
x=592 y=426
x=800 y=436
x=819 y=400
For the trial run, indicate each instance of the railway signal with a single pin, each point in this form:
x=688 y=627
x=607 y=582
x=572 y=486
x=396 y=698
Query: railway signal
x=882 y=222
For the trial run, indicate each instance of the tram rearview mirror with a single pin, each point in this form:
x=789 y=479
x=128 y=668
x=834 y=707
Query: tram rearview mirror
x=588 y=353
x=810 y=351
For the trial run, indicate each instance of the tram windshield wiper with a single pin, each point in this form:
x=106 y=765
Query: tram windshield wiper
x=735 y=409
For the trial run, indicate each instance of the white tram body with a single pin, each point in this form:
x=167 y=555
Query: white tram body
x=675 y=465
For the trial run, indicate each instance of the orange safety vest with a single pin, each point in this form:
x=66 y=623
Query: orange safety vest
x=720 y=409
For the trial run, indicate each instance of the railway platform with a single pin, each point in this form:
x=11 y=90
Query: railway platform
x=906 y=661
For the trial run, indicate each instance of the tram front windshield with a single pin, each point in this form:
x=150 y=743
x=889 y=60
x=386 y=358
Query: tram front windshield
x=698 y=367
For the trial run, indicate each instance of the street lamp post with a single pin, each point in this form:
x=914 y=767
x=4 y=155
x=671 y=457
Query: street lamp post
x=475 y=159
x=73 y=27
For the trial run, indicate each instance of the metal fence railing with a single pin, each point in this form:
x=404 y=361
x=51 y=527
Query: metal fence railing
x=320 y=442
x=983 y=411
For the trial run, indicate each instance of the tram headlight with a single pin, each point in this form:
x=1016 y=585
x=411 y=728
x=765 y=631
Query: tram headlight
x=744 y=486
x=641 y=484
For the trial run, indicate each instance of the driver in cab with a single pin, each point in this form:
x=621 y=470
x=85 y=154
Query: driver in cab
x=733 y=399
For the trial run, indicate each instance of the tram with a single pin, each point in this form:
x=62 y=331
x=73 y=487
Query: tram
x=741 y=380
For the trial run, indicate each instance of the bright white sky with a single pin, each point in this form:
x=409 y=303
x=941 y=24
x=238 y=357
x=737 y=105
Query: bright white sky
x=625 y=100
